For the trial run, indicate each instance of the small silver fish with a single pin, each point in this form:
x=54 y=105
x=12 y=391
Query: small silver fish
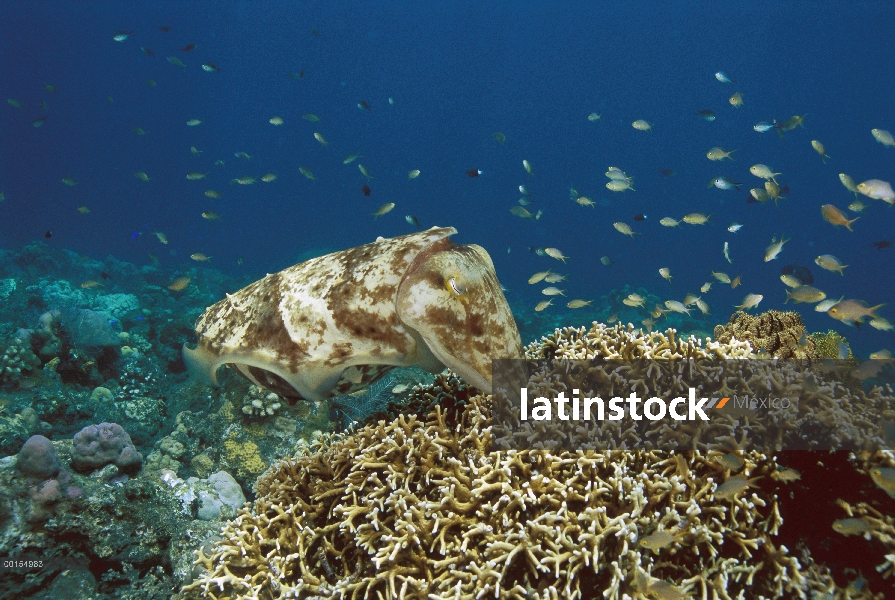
x=762 y=126
x=723 y=78
x=734 y=227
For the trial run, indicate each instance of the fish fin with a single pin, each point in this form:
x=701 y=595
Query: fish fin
x=872 y=314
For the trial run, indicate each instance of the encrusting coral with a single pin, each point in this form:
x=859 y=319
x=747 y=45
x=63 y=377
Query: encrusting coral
x=773 y=333
x=422 y=508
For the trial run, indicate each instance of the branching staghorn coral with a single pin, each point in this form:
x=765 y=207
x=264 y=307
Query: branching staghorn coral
x=422 y=508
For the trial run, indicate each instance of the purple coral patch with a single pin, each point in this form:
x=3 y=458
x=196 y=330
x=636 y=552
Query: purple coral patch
x=96 y=446
x=38 y=458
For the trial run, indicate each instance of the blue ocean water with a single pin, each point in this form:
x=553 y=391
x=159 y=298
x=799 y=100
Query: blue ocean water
x=457 y=73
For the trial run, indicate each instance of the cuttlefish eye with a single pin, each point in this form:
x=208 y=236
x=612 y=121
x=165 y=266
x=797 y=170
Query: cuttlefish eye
x=453 y=284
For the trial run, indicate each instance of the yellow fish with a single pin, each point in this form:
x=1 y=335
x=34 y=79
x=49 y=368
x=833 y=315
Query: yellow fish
x=196 y=175
x=642 y=125
x=522 y=212
x=83 y=210
x=578 y=303
x=363 y=171
x=774 y=249
x=736 y=100
x=542 y=305
x=669 y=222
x=268 y=178
x=851 y=526
x=276 y=121
x=764 y=172
x=804 y=293
x=719 y=154
x=193 y=122
x=819 y=148
x=619 y=185
x=527 y=166
x=665 y=272
x=307 y=173
x=885 y=479
x=585 y=201
x=199 y=257
x=593 y=117
x=552 y=291
x=161 y=237
x=413 y=174
x=750 y=301
x=830 y=263
x=555 y=253
x=212 y=194
x=311 y=117
x=733 y=486
x=320 y=139
x=179 y=284
x=849 y=183
x=141 y=176
x=883 y=137
x=538 y=277
x=696 y=219
x=624 y=228
x=211 y=216
x=385 y=208
x=69 y=182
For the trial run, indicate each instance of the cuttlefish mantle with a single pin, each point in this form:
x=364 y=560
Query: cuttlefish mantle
x=336 y=323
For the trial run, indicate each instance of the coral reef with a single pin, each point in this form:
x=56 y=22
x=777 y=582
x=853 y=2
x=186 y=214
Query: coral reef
x=829 y=345
x=422 y=508
x=245 y=456
x=107 y=443
x=38 y=458
x=393 y=511
x=17 y=360
x=7 y=287
x=261 y=403
x=773 y=333
x=407 y=505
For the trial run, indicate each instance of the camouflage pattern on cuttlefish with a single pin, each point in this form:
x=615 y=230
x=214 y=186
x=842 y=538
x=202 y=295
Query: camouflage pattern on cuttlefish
x=337 y=323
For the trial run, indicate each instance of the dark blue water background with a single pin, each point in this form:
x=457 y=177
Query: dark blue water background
x=458 y=72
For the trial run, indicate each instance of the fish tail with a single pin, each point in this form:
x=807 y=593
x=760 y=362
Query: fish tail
x=848 y=223
x=870 y=312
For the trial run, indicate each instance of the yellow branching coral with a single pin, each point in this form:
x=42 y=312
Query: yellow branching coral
x=423 y=508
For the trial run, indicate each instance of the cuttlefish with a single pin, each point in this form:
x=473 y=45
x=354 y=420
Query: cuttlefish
x=337 y=323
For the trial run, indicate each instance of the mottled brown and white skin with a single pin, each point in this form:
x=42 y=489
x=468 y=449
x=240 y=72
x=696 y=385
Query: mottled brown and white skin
x=335 y=324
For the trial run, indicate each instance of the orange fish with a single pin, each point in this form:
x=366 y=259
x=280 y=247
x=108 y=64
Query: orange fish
x=179 y=284
x=836 y=217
